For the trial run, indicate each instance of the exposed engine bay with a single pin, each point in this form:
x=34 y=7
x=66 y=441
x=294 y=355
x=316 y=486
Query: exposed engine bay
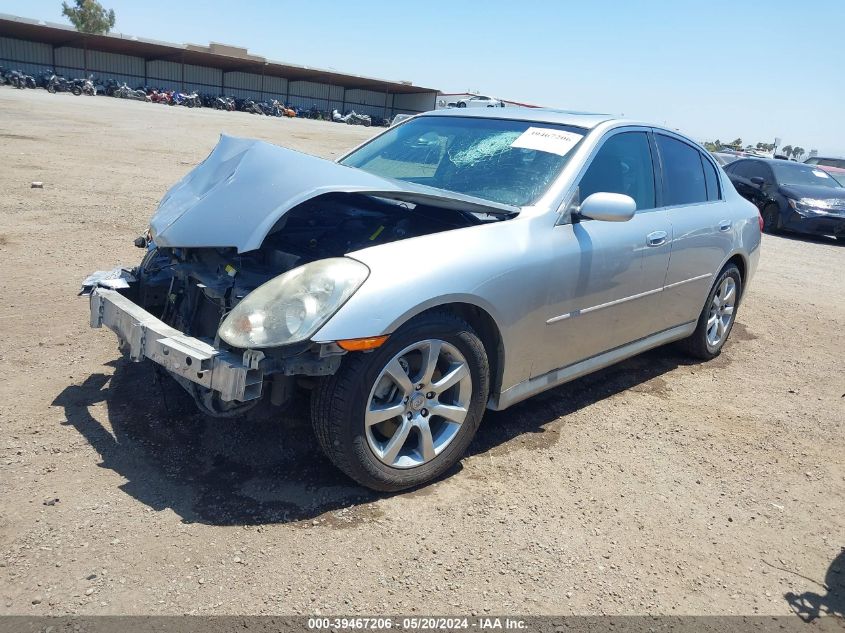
x=193 y=289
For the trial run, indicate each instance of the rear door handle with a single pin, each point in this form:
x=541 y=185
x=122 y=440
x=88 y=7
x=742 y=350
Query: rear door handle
x=656 y=238
x=725 y=225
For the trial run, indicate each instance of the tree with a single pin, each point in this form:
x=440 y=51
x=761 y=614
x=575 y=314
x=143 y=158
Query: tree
x=89 y=16
x=737 y=144
x=786 y=150
x=797 y=152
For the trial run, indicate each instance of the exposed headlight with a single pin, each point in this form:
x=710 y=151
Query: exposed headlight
x=291 y=307
x=810 y=206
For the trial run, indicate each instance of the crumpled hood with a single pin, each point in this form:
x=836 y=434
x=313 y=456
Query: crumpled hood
x=236 y=195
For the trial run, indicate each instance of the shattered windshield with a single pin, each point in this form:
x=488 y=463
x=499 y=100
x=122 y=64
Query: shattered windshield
x=511 y=162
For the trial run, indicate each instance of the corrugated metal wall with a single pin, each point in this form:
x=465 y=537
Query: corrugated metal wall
x=164 y=75
x=415 y=102
x=35 y=57
x=31 y=57
x=276 y=88
x=203 y=79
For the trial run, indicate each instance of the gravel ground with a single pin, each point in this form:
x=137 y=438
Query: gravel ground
x=656 y=486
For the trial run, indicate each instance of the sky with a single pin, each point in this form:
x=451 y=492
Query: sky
x=719 y=69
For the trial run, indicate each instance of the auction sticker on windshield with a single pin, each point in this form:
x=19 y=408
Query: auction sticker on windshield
x=545 y=139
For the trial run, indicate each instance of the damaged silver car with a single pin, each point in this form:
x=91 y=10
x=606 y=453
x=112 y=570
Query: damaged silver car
x=456 y=262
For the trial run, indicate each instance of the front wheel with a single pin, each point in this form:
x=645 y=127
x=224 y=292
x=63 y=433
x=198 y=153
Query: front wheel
x=771 y=219
x=718 y=316
x=76 y=90
x=402 y=415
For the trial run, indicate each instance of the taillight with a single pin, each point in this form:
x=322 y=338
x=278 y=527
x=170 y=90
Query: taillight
x=760 y=220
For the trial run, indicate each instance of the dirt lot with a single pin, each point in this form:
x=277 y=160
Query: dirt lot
x=656 y=486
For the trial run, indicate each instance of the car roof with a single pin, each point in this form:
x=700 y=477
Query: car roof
x=587 y=120
x=778 y=161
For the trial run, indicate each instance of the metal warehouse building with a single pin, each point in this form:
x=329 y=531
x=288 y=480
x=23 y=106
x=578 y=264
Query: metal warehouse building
x=34 y=46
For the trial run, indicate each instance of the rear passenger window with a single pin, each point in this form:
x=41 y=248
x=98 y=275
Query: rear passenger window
x=711 y=180
x=683 y=175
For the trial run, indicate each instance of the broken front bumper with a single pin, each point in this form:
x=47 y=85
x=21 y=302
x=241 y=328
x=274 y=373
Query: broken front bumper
x=233 y=376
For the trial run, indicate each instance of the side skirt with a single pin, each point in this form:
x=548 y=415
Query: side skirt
x=538 y=384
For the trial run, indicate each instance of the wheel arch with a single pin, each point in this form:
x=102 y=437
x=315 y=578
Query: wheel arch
x=485 y=326
x=739 y=260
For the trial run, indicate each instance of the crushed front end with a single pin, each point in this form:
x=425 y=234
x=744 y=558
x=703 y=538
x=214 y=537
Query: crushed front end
x=169 y=308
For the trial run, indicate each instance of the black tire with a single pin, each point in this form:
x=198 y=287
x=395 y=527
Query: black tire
x=461 y=104
x=338 y=404
x=771 y=219
x=696 y=344
x=76 y=90
x=51 y=89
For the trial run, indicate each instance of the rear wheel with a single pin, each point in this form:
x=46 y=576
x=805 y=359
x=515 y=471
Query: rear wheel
x=771 y=219
x=717 y=317
x=404 y=414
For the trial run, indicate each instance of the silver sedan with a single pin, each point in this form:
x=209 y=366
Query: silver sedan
x=457 y=262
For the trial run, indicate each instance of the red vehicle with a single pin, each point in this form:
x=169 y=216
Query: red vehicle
x=161 y=97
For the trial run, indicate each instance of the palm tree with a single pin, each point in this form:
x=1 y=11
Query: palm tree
x=786 y=150
x=797 y=152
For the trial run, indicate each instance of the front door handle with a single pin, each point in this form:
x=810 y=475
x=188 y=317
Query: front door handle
x=725 y=225
x=656 y=238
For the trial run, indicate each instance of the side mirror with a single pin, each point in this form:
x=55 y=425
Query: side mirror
x=757 y=181
x=609 y=207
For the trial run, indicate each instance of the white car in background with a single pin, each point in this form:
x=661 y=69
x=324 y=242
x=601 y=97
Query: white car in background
x=479 y=101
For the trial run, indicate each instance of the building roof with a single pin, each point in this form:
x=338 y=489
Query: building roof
x=220 y=56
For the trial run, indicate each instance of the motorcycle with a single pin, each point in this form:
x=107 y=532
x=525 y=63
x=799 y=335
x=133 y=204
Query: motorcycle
x=108 y=88
x=272 y=108
x=222 y=103
x=157 y=96
x=250 y=106
x=18 y=79
x=352 y=118
x=191 y=100
x=56 y=83
x=86 y=85
x=125 y=92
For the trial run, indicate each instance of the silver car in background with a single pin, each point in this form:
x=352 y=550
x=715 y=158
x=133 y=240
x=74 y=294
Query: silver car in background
x=458 y=261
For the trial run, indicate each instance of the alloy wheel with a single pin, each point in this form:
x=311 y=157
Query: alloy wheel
x=418 y=403
x=721 y=312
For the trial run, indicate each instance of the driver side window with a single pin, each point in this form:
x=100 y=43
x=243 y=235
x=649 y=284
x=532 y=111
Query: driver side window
x=622 y=165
